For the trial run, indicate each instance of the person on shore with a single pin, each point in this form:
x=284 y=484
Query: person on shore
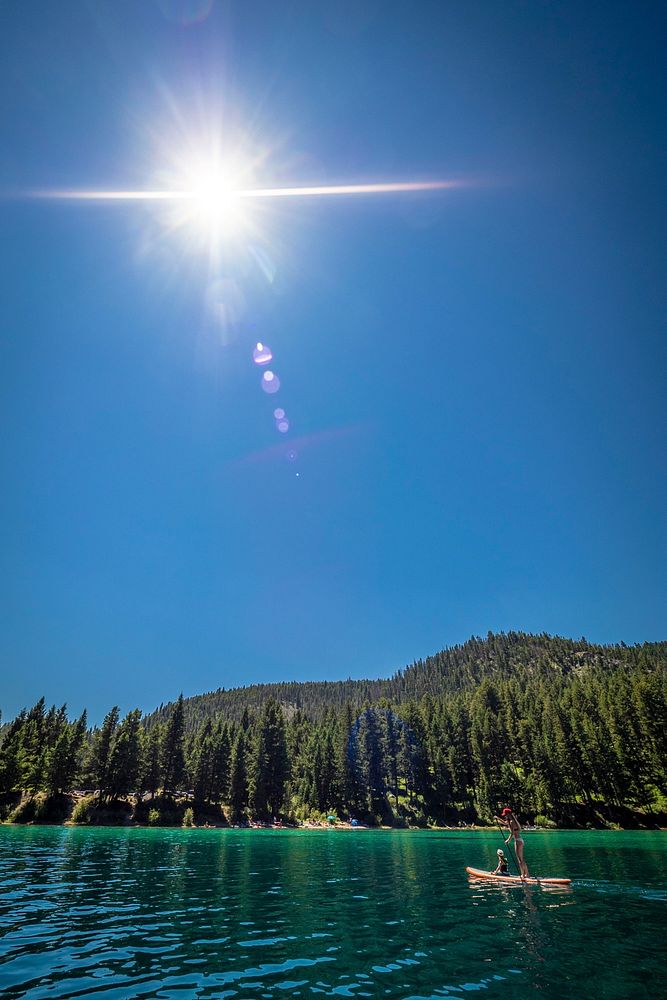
x=502 y=868
x=508 y=819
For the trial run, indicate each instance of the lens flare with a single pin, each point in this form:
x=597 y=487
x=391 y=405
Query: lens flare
x=212 y=187
x=207 y=192
x=213 y=197
x=270 y=382
x=262 y=354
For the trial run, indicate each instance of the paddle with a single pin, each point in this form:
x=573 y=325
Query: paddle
x=516 y=863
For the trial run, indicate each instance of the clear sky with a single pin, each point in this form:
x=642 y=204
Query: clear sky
x=473 y=377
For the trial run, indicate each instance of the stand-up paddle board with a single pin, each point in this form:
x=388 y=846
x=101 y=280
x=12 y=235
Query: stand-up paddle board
x=478 y=873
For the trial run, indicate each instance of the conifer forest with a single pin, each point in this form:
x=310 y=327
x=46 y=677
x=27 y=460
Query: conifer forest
x=566 y=731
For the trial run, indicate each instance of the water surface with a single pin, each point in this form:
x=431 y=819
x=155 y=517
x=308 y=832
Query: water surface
x=125 y=913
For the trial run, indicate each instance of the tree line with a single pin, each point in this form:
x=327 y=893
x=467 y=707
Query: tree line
x=541 y=723
x=497 y=657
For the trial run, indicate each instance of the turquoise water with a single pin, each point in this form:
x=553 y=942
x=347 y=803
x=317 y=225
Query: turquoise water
x=247 y=913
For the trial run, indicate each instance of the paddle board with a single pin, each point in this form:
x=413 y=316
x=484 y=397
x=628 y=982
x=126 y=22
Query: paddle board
x=478 y=873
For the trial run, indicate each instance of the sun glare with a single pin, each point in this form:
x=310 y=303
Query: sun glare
x=212 y=202
x=208 y=192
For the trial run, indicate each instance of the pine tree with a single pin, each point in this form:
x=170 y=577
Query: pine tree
x=370 y=761
x=346 y=790
x=100 y=754
x=270 y=765
x=201 y=764
x=238 y=790
x=32 y=748
x=125 y=757
x=62 y=759
x=390 y=748
x=220 y=764
x=173 y=753
x=10 y=771
x=150 y=772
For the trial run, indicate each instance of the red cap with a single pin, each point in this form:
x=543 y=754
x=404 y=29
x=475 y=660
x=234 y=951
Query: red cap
x=506 y=811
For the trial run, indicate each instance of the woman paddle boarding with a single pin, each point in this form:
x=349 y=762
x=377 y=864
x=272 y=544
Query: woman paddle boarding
x=508 y=819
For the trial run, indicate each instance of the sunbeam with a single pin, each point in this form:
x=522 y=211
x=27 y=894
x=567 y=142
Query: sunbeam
x=195 y=194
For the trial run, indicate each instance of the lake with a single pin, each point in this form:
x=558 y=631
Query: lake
x=125 y=913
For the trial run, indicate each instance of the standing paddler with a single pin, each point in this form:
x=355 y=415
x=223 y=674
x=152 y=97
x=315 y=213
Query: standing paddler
x=508 y=819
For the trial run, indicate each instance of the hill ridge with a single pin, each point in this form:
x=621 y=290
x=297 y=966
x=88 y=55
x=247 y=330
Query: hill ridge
x=504 y=655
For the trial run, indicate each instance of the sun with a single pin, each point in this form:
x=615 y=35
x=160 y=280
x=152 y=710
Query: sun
x=202 y=180
x=212 y=202
x=209 y=189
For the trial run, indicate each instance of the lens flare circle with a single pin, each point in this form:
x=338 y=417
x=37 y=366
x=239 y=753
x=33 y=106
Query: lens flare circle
x=270 y=382
x=262 y=354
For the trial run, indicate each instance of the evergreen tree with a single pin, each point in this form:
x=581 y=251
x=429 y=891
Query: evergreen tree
x=125 y=757
x=150 y=773
x=201 y=764
x=100 y=754
x=346 y=787
x=238 y=791
x=390 y=746
x=270 y=766
x=10 y=770
x=173 y=752
x=370 y=762
x=32 y=749
x=62 y=759
x=220 y=763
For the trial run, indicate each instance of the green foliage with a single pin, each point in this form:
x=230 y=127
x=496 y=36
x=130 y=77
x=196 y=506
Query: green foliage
x=83 y=810
x=188 y=817
x=24 y=812
x=100 y=754
x=173 y=750
x=545 y=822
x=269 y=768
x=150 y=770
x=39 y=808
x=125 y=757
x=61 y=760
x=563 y=730
x=238 y=784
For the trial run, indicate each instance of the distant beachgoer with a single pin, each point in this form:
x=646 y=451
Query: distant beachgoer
x=508 y=819
x=502 y=868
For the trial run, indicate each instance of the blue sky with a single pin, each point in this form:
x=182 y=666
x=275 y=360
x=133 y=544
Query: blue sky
x=474 y=378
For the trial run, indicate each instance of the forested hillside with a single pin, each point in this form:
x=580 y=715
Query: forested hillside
x=507 y=656
x=561 y=729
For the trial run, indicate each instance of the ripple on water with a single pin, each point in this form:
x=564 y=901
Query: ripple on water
x=133 y=913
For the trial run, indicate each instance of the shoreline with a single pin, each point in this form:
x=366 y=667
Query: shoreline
x=81 y=808
x=336 y=827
